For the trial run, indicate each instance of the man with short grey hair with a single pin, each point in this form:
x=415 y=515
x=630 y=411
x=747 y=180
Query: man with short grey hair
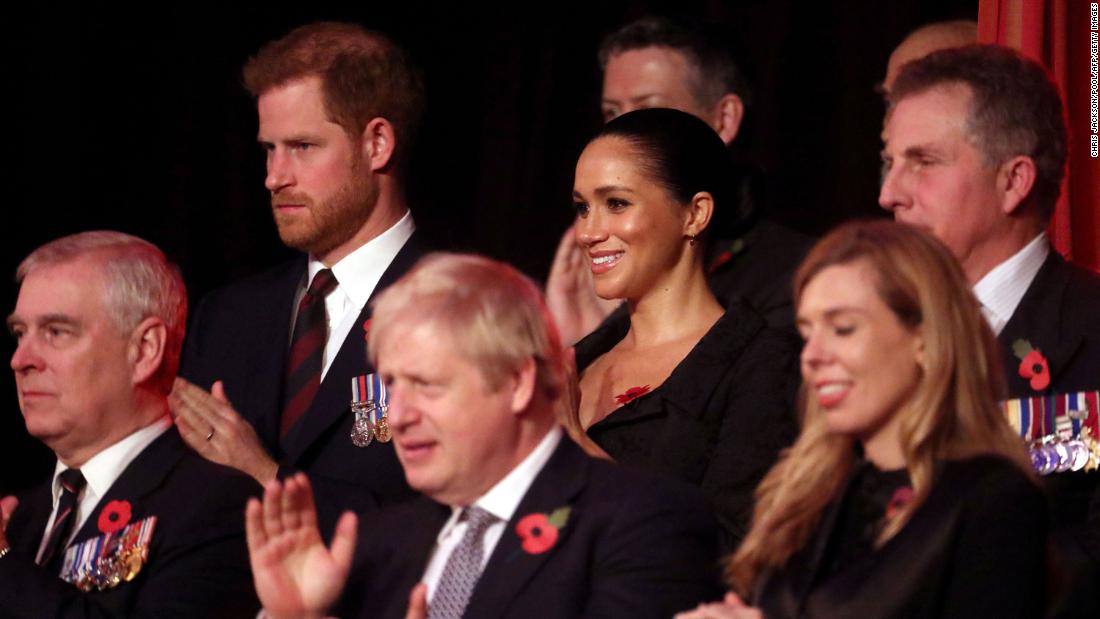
x=974 y=153
x=132 y=521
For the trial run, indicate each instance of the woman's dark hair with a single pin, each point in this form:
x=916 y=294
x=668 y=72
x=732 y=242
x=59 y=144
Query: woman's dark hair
x=684 y=155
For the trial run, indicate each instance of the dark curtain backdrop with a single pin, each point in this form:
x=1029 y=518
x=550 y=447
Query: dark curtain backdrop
x=134 y=119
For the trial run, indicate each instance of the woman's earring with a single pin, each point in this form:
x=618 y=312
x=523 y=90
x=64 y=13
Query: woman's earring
x=691 y=239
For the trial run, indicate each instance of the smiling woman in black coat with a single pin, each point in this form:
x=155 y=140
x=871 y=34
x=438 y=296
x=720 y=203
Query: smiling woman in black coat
x=675 y=382
x=907 y=493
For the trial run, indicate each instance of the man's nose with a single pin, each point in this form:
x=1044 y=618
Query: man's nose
x=279 y=173
x=25 y=356
x=891 y=194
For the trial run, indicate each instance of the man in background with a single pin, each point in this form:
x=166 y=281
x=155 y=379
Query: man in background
x=974 y=152
x=927 y=39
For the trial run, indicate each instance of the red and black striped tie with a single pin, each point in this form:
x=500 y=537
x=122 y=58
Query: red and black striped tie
x=72 y=482
x=307 y=350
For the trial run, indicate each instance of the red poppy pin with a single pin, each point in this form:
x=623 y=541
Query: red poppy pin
x=898 y=501
x=1033 y=365
x=366 y=329
x=726 y=256
x=631 y=394
x=539 y=532
x=114 y=517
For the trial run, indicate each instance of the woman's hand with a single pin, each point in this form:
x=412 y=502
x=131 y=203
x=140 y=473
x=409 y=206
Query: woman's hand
x=732 y=607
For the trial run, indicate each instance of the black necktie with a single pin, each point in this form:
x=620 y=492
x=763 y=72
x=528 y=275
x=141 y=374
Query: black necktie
x=307 y=350
x=72 y=482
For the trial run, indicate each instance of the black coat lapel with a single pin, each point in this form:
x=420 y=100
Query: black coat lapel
x=1038 y=320
x=510 y=568
x=333 y=400
x=143 y=475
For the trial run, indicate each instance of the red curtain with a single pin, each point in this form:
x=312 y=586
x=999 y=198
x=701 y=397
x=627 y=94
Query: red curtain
x=1059 y=34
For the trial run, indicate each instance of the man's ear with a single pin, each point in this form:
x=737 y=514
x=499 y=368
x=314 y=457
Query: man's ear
x=727 y=116
x=523 y=385
x=699 y=212
x=147 y=348
x=1015 y=180
x=378 y=143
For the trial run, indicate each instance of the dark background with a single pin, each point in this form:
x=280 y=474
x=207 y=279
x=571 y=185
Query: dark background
x=134 y=119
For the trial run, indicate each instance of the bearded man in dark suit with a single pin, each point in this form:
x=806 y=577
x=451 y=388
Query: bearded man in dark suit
x=132 y=523
x=517 y=520
x=338 y=106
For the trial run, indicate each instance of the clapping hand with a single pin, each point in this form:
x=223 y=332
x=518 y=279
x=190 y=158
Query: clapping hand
x=208 y=423
x=572 y=302
x=295 y=574
x=7 y=506
x=731 y=607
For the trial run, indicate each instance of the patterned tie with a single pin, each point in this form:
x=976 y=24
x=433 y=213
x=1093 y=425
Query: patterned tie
x=72 y=482
x=307 y=349
x=463 y=567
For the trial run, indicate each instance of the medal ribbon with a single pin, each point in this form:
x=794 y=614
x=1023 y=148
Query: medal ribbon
x=1036 y=417
x=358 y=389
x=82 y=560
x=376 y=392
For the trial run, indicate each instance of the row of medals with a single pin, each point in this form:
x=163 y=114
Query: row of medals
x=363 y=430
x=1060 y=453
x=111 y=570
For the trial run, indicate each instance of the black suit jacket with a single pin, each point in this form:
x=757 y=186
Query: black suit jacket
x=975 y=548
x=718 y=421
x=240 y=334
x=1058 y=315
x=633 y=546
x=759 y=267
x=198 y=561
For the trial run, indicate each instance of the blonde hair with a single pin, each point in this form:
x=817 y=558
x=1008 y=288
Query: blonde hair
x=495 y=315
x=952 y=414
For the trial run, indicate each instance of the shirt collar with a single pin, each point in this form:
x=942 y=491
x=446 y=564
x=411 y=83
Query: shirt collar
x=1001 y=290
x=103 y=469
x=358 y=273
x=503 y=498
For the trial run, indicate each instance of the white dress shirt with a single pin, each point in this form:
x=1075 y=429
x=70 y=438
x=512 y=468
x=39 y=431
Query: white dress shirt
x=101 y=471
x=357 y=274
x=1001 y=290
x=501 y=501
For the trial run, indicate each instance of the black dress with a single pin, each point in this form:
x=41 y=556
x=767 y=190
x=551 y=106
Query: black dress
x=718 y=421
x=975 y=548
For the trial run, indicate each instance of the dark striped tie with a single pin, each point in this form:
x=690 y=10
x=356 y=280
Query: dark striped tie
x=307 y=350
x=72 y=482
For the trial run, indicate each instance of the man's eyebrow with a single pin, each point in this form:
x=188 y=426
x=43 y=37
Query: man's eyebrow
x=44 y=319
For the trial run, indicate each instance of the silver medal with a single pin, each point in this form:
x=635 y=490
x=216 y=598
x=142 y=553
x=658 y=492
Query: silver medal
x=362 y=431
